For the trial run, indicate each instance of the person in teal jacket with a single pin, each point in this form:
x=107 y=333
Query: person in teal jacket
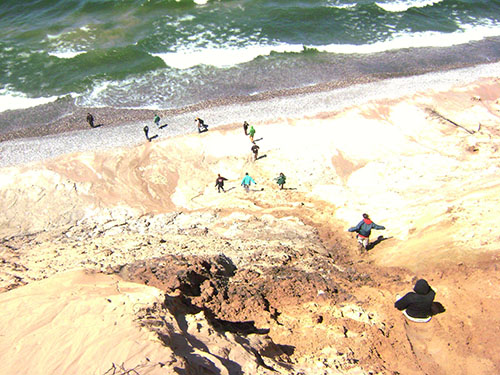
x=247 y=181
x=157 y=120
x=364 y=229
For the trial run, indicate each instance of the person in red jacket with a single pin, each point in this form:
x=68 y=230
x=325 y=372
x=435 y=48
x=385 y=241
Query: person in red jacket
x=364 y=229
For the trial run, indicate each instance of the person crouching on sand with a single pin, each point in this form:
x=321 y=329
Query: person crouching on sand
x=219 y=183
x=417 y=306
x=363 y=230
x=247 y=181
x=200 y=124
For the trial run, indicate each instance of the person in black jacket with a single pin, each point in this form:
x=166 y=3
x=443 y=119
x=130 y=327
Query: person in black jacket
x=90 y=120
x=219 y=183
x=364 y=229
x=255 y=150
x=418 y=304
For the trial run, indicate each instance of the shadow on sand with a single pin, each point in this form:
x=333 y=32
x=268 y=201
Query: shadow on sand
x=371 y=245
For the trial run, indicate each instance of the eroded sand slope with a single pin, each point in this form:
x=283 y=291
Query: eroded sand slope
x=279 y=262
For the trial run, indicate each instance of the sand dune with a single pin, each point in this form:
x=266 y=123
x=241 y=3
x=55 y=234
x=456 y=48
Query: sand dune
x=424 y=165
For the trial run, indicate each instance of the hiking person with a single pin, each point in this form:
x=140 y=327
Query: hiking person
x=281 y=180
x=200 y=124
x=245 y=127
x=255 y=150
x=157 y=120
x=247 y=181
x=146 y=132
x=90 y=120
x=219 y=183
x=417 y=306
x=251 y=133
x=363 y=230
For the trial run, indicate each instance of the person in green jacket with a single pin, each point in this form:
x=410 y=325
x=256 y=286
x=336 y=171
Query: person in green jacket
x=157 y=120
x=281 y=180
x=251 y=133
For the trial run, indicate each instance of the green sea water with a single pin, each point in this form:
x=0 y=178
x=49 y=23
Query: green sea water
x=168 y=53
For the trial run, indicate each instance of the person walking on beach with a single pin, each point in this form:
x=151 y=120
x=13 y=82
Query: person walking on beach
x=245 y=127
x=201 y=125
x=363 y=230
x=219 y=183
x=247 y=181
x=146 y=132
x=417 y=306
x=90 y=120
x=157 y=120
x=251 y=133
x=255 y=150
x=281 y=180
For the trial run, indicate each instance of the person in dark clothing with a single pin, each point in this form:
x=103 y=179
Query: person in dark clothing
x=255 y=150
x=245 y=127
x=281 y=180
x=146 y=132
x=418 y=304
x=219 y=183
x=364 y=229
x=202 y=127
x=90 y=120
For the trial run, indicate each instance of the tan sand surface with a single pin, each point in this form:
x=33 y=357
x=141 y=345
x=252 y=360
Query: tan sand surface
x=424 y=165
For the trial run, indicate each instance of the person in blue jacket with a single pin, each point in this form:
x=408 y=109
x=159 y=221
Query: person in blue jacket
x=364 y=229
x=247 y=181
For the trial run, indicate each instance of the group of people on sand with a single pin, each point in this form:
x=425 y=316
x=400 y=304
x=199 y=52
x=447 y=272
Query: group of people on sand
x=247 y=180
x=417 y=306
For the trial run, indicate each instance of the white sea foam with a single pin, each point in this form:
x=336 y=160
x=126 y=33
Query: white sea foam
x=418 y=40
x=16 y=100
x=222 y=57
x=404 y=5
x=335 y=4
x=66 y=54
x=185 y=57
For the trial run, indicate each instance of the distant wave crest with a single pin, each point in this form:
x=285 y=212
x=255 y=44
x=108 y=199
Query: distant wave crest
x=220 y=57
x=66 y=54
x=16 y=100
x=404 y=5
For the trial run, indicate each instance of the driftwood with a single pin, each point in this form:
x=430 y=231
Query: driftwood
x=121 y=370
x=439 y=115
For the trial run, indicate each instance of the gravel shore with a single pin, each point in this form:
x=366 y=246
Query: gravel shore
x=124 y=128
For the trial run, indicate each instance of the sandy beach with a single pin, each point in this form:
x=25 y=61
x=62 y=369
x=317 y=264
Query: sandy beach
x=125 y=127
x=119 y=254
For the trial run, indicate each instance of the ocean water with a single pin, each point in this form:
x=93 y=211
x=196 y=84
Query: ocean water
x=164 y=54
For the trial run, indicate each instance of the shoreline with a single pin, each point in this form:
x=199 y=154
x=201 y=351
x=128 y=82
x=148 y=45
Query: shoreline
x=126 y=129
